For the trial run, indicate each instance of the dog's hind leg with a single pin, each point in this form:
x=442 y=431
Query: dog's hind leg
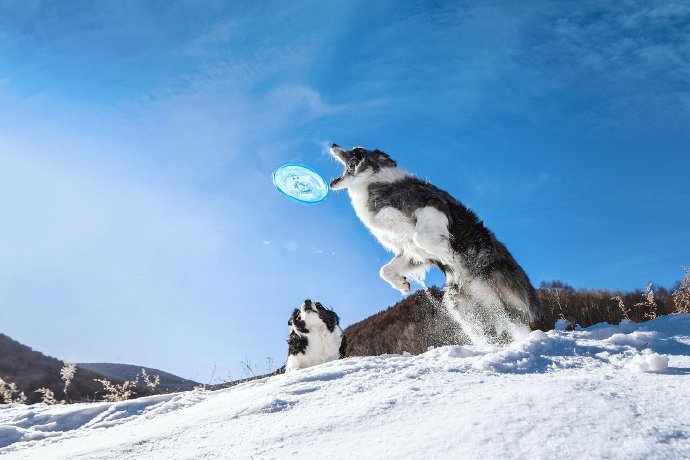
x=466 y=312
x=431 y=233
x=482 y=313
x=396 y=270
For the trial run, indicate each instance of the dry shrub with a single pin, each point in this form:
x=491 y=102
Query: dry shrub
x=681 y=296
x=248 y=368
x=10 y=394
x=67 y=375
x=649 y=303
x=115 y=392
x=587 y=307
x=48 y=396
x=150 y=383
x=622 y=307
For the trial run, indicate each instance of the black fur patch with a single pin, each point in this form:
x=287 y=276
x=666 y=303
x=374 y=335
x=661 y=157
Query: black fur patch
x=343 y=346
x=482 y=252
x=359 y=160
x=363 y=159
x=329 y=317
x=297 y=343
x=298 y=322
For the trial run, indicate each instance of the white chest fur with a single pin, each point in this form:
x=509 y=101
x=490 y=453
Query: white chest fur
x=394 y=230
x=324 y=346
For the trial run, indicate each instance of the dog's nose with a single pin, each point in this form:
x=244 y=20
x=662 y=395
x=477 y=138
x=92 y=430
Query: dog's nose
x=307 y=303
x=335 y=146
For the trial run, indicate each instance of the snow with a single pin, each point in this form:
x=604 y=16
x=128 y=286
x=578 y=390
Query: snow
x=601 y=392
x=648 y=362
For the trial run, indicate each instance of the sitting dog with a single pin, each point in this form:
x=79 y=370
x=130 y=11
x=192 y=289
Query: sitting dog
x=486 y=291
x=315 y=337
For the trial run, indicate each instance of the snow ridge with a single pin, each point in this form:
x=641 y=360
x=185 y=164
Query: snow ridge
x=605 y=391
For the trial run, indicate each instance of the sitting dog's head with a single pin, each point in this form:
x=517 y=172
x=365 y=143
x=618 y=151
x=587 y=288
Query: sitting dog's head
x=312 y=316
x=315 y=336
x=358 y=162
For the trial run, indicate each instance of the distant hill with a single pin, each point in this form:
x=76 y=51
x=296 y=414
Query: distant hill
x=168 y=382
x=31 y=370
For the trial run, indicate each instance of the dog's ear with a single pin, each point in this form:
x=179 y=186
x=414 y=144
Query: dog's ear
x=293 y=316
x=329 y=318
x=335 y=317
x=341 y=153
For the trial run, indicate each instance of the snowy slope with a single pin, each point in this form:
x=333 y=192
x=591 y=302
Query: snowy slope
x=603 y=392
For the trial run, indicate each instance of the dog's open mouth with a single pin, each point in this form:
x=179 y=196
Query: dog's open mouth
x=338 y=153
x=336 y=181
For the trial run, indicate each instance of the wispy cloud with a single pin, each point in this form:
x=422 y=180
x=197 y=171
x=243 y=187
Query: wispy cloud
x=626 y=62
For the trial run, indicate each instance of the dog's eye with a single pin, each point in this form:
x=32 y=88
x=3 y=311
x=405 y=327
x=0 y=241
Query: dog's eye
x=356 y=166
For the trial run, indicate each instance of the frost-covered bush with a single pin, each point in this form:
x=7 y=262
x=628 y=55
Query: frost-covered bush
x=67 y=375
x=48 y=396
x=10 y=394
x=115 y=392
x=681 y=296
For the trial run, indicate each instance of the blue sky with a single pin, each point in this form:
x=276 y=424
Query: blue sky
x=137 y=138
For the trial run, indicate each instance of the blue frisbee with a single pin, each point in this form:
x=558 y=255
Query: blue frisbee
x=300 y=183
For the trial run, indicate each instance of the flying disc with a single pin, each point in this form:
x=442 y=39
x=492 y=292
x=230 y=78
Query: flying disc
x=300 y=183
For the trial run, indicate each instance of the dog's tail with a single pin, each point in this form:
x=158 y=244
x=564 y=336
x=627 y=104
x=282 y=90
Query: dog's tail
x=519 y=296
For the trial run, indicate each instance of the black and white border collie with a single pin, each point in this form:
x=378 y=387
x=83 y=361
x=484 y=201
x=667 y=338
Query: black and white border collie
x=315 y=336
x=486 y=291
